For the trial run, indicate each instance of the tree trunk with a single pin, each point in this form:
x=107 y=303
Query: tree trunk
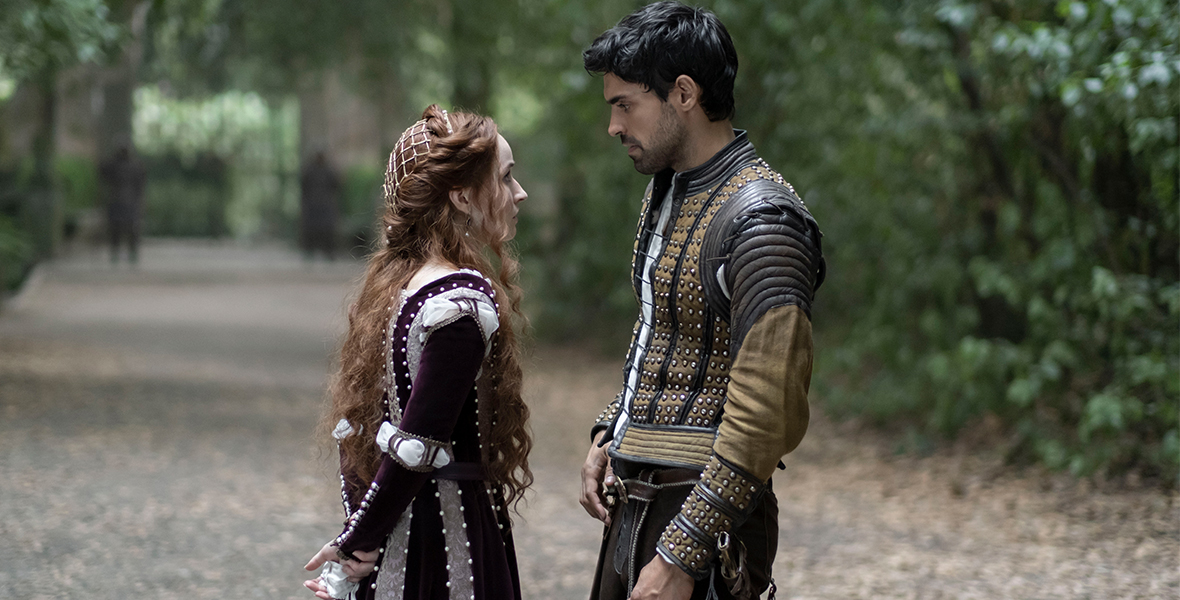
x=41 y=209
x=392 y=116
x=474 y=40
x=120 y=80
x=313 y=117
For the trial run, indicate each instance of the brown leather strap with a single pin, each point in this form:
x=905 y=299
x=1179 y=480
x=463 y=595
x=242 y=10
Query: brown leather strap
x=674 y=476
x=648 y=484
x=461 y=471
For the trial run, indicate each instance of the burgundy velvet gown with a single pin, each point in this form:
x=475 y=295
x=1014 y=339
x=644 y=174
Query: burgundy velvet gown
x=442 y=532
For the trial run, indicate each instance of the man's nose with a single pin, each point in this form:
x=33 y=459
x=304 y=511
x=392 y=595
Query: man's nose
x=615 y=128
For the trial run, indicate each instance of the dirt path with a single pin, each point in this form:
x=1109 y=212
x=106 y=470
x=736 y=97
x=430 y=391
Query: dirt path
x=155 y=442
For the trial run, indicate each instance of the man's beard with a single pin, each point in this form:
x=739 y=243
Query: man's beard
x=665 y=146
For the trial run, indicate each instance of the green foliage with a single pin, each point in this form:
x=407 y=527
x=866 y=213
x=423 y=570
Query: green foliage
x=15 y=254
x=77 y=182
x=997 y=185
x=360 y=206
x=186 y=198
x=998 y=188
x=16 y=251
x=222 y=164
x=39 y=36
x=576 y=240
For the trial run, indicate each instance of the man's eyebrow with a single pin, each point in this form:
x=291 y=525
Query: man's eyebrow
x=614 y=100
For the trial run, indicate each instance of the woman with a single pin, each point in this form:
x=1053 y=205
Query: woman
x=427 y=408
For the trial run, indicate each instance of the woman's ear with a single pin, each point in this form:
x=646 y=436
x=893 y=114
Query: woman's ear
x=462 y=200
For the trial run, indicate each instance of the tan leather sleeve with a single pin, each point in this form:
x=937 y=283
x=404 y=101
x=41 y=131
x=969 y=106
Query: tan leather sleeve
x=766 y=413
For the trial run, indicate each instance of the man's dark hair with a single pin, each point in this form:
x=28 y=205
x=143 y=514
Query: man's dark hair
x=662 y=41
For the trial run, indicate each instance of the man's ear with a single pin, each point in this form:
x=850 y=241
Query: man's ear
x=685 y=94
x=462 y=200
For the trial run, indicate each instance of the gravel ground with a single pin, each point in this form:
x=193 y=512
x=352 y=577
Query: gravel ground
x=155 y=441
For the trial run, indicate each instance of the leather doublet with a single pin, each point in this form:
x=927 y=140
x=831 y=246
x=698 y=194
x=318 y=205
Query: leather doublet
x=684 y=372
x=720 y=361
x=685 y=369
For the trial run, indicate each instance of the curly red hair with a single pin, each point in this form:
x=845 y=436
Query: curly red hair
x=420 y=223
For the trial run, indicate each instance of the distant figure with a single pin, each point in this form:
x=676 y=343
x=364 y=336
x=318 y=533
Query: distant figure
x=123 y=177
x=320 y=190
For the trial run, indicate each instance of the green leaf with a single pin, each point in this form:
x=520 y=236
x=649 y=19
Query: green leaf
x=1022 y=392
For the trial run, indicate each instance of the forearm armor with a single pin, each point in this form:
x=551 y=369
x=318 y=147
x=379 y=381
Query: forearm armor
x=723 y=499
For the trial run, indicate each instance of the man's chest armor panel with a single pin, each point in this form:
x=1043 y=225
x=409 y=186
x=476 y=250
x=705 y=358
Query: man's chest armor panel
x=685 y=371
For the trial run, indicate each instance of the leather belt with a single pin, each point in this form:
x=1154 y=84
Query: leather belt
x=644 y=489
x=649 y=483
x=461 y=471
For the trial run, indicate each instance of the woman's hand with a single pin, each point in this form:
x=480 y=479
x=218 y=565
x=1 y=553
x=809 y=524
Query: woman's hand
x=326 y=554
x=318 y=588
x=356 y=570
x=360 y=568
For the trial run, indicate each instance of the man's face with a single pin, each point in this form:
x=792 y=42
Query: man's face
x=648 y=126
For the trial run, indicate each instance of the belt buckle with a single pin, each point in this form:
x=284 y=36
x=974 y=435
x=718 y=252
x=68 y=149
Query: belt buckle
x=728 y=569
x=614 y=493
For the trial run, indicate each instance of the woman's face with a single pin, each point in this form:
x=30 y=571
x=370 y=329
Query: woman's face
x=506 y=194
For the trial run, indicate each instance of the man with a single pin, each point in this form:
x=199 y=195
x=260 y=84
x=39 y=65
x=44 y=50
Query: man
x=123 y=178
x=319 y=187
x=726 y=262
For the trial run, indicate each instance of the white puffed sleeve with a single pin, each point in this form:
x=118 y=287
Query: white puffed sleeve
x=415 y=453
x=439 y=311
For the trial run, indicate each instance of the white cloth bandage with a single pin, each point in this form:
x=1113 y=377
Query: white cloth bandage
x=438 y=312
x=344 y=429
x=413 y=452
x=334 y=578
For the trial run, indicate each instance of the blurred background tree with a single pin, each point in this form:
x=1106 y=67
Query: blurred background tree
x=38 y=40
x=997 y=180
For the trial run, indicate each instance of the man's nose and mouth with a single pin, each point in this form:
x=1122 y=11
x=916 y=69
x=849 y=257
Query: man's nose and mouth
x=631 y=143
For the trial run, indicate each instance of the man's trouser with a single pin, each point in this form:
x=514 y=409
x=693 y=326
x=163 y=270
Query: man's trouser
x=654 y=497
x=124 y=230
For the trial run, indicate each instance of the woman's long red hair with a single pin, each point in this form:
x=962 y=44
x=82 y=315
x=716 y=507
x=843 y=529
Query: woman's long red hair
x=421 y=224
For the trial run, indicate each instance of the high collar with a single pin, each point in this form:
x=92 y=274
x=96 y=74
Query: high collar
x=708 y=174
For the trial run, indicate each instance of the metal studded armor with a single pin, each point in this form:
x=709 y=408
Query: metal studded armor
x=720 y=359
